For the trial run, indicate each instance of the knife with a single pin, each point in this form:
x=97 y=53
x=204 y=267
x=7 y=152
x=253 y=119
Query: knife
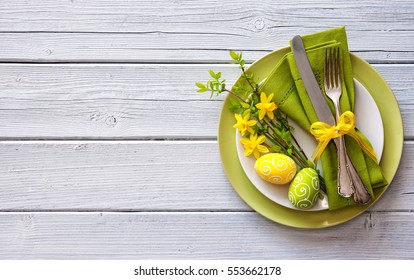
x=311 y=84
x=345 y=183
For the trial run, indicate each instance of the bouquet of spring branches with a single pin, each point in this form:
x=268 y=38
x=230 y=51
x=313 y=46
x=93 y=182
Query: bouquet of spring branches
x=263 y=126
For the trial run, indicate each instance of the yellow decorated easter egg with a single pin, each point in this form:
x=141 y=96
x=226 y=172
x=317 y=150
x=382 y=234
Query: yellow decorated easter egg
x=276 y=168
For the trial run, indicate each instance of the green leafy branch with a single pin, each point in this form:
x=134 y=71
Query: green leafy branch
x=246 y=92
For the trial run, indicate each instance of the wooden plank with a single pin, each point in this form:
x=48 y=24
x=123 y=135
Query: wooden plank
x=111 y=118
x=127 y=175
x=261 y=16
x=130 y=101
x=199 y=236
x=397 y=193
x=137 y=176
x=175 y=16
x=375 y=47
x=141 y=31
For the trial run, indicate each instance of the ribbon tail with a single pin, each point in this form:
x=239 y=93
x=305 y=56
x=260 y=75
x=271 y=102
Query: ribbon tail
x=319 y=150
x=364 y=146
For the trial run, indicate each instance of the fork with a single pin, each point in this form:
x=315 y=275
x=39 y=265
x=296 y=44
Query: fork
x=349 y=181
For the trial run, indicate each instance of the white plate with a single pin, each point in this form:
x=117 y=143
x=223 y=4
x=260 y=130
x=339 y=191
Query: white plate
x=368 y=121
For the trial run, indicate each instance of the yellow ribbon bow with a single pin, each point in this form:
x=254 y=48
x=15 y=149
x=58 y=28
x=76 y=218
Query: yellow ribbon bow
x=324 y=133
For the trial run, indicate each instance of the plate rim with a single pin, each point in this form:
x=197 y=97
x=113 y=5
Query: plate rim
x=325 y=218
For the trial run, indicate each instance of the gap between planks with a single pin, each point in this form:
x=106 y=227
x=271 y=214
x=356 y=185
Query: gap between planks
x=161 y=211
x=186 y=62
x=99 y=140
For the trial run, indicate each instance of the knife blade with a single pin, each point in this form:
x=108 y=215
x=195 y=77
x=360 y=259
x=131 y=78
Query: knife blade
x=311 y=84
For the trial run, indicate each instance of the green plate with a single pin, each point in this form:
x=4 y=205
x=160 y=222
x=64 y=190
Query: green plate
x=393 y=145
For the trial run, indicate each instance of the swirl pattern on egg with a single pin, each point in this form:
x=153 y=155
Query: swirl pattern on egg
x=276 y=168
x=304 y=190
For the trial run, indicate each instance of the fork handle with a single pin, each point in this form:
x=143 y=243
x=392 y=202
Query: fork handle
x=349 y=181
x=361 y=195
x=345 y=185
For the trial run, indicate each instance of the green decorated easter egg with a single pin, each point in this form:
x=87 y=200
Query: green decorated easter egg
x=304 y=189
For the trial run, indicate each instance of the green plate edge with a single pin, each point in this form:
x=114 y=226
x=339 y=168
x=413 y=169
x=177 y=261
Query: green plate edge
x=393 y=147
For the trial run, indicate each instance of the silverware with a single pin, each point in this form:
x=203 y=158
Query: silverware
x=311 y=84
x=319 y=103
x=333 y=89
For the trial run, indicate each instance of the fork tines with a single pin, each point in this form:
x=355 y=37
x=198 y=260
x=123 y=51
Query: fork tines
x=332 y=67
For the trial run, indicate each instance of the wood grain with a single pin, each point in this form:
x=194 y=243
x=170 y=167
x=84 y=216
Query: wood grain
x=260 y=17
x=199 y=236
x=137 y=176
x=172 y=48
x=130 y=101
x=171 y=31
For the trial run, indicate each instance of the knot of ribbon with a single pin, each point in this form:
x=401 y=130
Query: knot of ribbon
x=324 y=133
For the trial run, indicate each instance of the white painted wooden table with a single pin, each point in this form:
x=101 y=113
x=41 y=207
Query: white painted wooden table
x=107 y=152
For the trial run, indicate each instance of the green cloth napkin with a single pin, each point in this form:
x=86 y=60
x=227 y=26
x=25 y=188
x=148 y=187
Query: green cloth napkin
x=291 y=97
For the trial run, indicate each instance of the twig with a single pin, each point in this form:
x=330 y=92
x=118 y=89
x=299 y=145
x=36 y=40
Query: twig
x=235 y=95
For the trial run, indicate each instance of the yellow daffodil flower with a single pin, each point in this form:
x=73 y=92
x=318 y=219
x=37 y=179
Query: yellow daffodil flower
x=266 y=106
x=253 y=145
x=244 y=124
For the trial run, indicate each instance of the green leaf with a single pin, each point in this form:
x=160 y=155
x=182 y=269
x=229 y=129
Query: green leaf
x=245 y=105
x=310 y=163
x=233 y=55
x=218 y=75
x=278 y=114
x=285 y=136
x=214 y=86
x=200 y=85
x=202 y=90
x=212 y=74
x=234 y=106
x=278 y=132
x=245 y=113
x=275 y=149
x=208 y=84
x=234 y=102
